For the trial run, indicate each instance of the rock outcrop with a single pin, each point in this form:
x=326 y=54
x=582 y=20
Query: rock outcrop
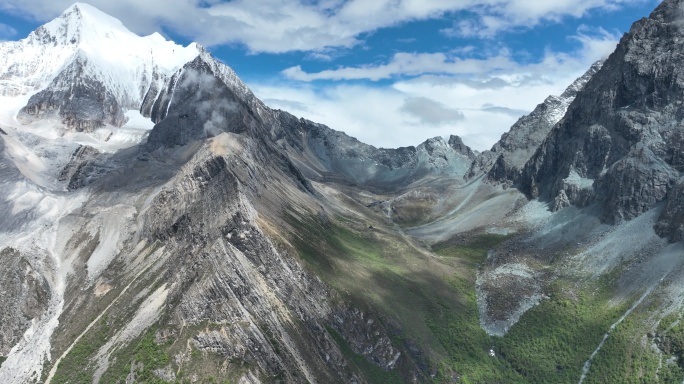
x=505 y=161
x=325 y=154
x=25 y=296
x=619 y=141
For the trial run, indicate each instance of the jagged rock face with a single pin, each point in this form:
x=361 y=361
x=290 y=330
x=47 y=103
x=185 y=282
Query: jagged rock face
x=80 y=166
x=326 y=154
x=505 y=161
x=80 y=101
x=202 y=105
x=225 y=271
x=457 y=144
x=88 y=68
x=618 y=141
x=671 y=221
x=25 y=296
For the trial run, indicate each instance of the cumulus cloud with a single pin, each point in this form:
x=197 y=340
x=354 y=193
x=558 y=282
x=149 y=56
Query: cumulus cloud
x=490 y=18
x=378 y=115
x=492 y=71
x=435 y=94
x=278 y=26
x=411 y=64
x=430 y=112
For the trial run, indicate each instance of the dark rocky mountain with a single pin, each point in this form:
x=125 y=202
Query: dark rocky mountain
x=505 y=161
x=325 y=154
x=620 y=142
x=226 y=241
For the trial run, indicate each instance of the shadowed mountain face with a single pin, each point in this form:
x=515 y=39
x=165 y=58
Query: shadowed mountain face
x=505 y=161
x=179 y=230
x=325 y=154
x=619 y=142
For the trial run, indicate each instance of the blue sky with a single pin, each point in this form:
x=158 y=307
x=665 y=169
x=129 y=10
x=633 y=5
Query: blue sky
x=389 y=72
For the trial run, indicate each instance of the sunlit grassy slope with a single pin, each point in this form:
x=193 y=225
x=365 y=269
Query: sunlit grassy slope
x=431 y=295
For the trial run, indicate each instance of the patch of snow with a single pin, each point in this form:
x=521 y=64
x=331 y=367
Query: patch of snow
x=29 y=164
x=38 y=237
x=111 y=139
x=575 y=179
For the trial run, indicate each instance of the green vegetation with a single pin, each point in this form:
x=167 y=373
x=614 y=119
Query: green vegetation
x=141 y=357
x=148 y=356
x=340 y=245
x=624 y=359
x=467 y=345
x=474 y=251
x=435 y=303
x=432 y=299
x=2 y=360
x=372 y=372
x=76 y=367
x=551 y=341
x=148 y=353
x=458 y=327
x=555 y=338
x=670 y=340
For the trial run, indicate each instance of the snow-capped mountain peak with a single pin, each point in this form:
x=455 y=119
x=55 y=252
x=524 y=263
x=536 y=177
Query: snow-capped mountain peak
x=82 y=50
x=117 y=57
x=81 y=22
x=98 y=34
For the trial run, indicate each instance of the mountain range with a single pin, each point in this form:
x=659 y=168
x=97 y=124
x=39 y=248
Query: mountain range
x=162 y=224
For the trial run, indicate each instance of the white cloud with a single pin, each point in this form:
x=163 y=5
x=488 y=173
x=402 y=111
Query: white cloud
x=318 y=56
x=290 y=25
x=378 y=115
x=371 y=114
x=475 y=99
x=500 y=68
x=431 y=112
x=411 y=64
x=492 y=17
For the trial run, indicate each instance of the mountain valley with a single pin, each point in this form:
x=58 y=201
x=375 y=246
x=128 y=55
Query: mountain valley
x=163 y=224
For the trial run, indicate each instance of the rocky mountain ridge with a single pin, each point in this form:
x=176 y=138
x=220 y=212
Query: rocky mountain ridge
x=618 y=142
x=505 y=161
x=241 y=243
x=87 y=67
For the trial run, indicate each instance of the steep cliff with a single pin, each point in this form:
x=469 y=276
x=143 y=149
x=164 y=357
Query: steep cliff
x=505 y=161
x=225 y=241
x=619 y=139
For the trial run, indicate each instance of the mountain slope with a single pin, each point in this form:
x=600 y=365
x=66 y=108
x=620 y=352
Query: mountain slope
x=619 y=141
x=232 y=242
x=84 y=53
x=505 y=161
